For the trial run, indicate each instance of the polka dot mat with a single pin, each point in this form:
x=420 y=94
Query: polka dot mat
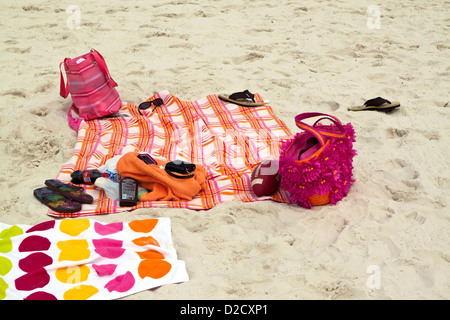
x=78 y=259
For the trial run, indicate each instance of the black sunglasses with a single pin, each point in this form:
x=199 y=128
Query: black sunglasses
x=147 y=104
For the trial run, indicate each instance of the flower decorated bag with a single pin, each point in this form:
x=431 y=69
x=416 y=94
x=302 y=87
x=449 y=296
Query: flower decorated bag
x=316 y=165
x=91 y=87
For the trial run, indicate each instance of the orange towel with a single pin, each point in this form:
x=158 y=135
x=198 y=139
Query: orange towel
x=163 y=186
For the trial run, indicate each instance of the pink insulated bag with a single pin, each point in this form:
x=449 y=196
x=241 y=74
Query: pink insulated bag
x=91 y=87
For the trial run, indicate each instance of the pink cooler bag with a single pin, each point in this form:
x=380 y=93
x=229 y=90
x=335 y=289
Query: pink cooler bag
x=91 y=87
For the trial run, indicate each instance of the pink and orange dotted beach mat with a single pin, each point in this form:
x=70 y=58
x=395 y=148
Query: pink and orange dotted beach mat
x=78 y=259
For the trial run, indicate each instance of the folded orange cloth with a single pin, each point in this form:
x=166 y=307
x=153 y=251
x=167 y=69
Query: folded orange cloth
x=163 y=186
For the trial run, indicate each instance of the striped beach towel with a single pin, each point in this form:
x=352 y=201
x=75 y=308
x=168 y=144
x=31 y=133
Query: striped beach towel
x=227 y=139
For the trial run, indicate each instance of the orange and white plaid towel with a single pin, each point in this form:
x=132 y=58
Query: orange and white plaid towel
x=227 y=139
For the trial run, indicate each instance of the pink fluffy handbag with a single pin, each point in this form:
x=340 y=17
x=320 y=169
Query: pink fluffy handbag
x=316 y=165
x=91 y=87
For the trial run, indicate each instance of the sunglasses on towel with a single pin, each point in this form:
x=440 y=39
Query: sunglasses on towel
x=147 y=104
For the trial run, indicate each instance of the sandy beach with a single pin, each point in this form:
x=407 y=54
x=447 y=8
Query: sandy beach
x=388 y=239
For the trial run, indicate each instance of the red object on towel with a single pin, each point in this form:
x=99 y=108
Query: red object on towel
x=265 y=178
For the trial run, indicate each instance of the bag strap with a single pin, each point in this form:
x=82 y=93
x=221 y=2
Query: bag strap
x=316 y=130
x=63 y=88
x=74 y=123
x=102 y=65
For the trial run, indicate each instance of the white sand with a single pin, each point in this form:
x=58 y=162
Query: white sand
x=301 y=55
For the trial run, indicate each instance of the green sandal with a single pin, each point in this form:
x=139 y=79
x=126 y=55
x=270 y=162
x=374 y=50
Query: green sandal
x=56 y=201
x=69 y=190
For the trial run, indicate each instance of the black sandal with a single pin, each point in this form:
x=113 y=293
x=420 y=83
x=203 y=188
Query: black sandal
x=69 y=190
x=244 y=98
x=377 y=103
x=56 y=201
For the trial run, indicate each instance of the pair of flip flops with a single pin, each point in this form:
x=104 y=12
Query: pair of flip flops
x=377 y=103
x=247 y=99
x=62 y=197
x=244 y=98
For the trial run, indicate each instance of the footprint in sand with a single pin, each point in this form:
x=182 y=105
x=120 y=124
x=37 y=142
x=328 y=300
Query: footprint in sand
x=417 y=217
x=407 y=183
x=330 y=105
x=15 y=93
x=252 y=56
x=396 y=132
x=31 y=8
x=18 y=50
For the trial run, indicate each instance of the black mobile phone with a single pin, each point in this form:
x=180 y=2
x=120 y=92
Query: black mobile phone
x=146 y=158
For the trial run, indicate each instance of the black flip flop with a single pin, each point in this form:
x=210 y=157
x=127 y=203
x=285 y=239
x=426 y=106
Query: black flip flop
x=377 y=103
x=244 y=98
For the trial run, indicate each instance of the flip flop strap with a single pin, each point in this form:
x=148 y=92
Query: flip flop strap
x=376 y=102
x=244 y=95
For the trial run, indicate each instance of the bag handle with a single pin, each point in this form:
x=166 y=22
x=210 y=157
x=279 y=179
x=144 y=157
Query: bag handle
x=63 y=88
x=317 y=130
x=102 y=65
x=74 y=123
